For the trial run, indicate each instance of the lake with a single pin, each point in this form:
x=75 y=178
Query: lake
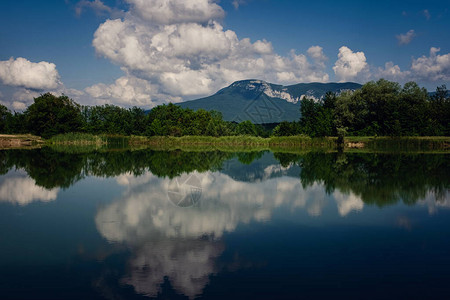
x=122 y=224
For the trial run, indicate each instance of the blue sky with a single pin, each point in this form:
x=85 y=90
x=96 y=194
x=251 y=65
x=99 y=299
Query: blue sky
x=147 y=52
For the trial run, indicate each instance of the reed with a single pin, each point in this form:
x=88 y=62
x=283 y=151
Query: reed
x=77 y=138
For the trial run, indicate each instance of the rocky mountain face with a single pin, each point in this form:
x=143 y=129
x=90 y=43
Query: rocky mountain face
x=263 y=102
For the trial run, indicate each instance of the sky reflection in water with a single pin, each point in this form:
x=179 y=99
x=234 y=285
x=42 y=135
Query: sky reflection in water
x=156 y=227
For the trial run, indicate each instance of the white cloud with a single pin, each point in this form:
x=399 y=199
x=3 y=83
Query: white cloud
x=23 y=73
x=127 y=91
x=432 y=68
x=405 y=39
x=427 y=14
x=392 y=72
x=316 y=52
x=237 y=3
x=196 y=57
x=176 y=11
x=349 y=64
x=17 y=105
x=97 y=6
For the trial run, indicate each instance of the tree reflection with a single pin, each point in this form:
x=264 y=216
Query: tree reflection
x=51 y=168
x=380 y=179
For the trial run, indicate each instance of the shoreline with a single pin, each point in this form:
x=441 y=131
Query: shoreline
x=351 y=143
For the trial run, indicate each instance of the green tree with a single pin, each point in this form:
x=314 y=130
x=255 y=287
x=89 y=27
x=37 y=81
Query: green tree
x=50 y=115
x=317 y=116
x=5 y=116
x=246 y=128
x=286 y=129
x=439 y=112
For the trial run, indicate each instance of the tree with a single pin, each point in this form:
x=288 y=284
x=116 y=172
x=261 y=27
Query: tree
x=317 y=116
x=50 y=115
x=440 y=112
x=246 y=128
x=286 y=129
x=5 y=116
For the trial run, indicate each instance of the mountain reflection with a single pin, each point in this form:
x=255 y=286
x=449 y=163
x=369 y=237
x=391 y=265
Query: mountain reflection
x=374 y=178
x=177 y=207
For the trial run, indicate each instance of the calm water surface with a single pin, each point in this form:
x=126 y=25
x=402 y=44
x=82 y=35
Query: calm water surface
x=213 y=225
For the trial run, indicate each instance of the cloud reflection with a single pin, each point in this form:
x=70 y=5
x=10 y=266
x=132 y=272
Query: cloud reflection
x=182 y=244
x=17 y=188
x=436 y=199
x=186 y=263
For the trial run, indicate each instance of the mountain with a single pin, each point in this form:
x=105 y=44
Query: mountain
x=263 y=102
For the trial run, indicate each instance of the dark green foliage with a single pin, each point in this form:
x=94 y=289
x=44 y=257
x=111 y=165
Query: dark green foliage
x=439 y=117
x=376 y=178
x=16 y=123
x=50 y=115
x=111 y=119
x=287 y=129
x=51 y=169
x=172 y=120
x=5 y=115
x=246 y=128
x=317 y=117
x=380 y=108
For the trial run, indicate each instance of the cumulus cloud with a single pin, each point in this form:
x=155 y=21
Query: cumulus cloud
x=427 y=14
x=391 y=72
x=176 y=11
x=23 y=73
x=405 y=39
x=316 y=52
x=181 y=48
x=349 y=64
x=434 y=67
x=127 y=91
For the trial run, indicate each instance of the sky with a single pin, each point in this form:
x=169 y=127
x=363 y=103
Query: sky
x=148 y=52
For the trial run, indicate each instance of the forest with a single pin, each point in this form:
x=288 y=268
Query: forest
x=381 y=108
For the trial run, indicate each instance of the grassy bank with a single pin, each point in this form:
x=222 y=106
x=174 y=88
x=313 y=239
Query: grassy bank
x=234 y=143
x=78 y=139
x=241 y=140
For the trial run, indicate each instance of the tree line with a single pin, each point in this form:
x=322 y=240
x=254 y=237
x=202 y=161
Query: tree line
x=380 y=108
x=50 y=115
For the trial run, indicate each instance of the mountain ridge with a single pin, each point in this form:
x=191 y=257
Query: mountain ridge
x=263 y=102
